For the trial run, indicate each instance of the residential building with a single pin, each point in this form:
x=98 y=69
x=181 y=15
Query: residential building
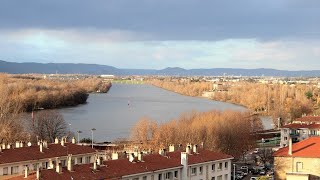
x=15 y=160
x=194 y=164
x=299 y=161
x=300 y=129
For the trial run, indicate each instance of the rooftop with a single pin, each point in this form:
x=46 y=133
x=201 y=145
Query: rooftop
x=115 y=169
x=301 y=126
x=33 y=152
x=309 y=148
x=309 y=119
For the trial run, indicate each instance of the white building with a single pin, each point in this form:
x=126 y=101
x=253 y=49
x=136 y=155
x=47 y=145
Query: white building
x=194 y=164
x=26 y=158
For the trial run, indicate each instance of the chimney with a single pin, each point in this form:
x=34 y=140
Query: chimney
x=26 y=171
x=98 y=161
x=73 y=140
x=56 y=141
x=21 y=144
x=184 y=162
x=0 y=149
x=45 y=144
x=188 y=149
x=140 y=157
x=3 y=146
x=29 y=144
x=41 y=147
x=115 y=156
x=202 y=145
x=8 y=146
x=131 y=157
x=290 y=147
x=171 y=148
x=50 y=164
x=38 y=143
x=38 y=173
x=62 y=142
x=195 y=149
x=69 y=163
x=17 y=144
x=58 y=166
x=94 y=165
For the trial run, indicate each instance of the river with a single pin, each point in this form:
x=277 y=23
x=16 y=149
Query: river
x=113 y=114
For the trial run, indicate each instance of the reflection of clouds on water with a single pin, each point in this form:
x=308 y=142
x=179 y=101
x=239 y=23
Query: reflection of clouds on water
x=113 y=118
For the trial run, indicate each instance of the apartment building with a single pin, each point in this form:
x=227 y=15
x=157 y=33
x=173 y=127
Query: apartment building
x=300 y=129
x=20 y=158
x=299 y=161
x=193 y=164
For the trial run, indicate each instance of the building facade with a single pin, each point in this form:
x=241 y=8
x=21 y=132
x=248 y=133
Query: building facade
x=299 y=161
x=193 y=164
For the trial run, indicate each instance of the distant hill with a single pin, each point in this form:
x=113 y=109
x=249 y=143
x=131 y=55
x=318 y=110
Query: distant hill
x=95 y=69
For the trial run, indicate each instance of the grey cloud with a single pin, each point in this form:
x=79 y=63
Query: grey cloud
x=170 y=19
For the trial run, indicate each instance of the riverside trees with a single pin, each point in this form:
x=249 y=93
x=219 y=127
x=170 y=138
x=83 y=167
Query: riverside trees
x=228 y=131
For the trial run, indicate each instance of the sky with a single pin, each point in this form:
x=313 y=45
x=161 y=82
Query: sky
x=155 y=34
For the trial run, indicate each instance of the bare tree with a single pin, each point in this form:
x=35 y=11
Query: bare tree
x=48 y=125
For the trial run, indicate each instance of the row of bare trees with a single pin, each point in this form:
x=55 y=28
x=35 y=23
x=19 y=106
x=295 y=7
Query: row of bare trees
x=279 y=100
x=20 y=95
x=228 y=131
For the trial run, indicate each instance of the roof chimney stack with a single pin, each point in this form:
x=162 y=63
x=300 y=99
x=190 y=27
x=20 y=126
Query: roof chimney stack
x=41 y=147
x=8 y=146
x=26 y=171
x=3 y=146
x=131 y=157
x=38 y=173
x=29 y=144
x=69 y=165
x=94 y=165
x=21 y=144
x=62 y=141
x=17 y=144
x=195 y=149
x=73 y=140
x=115 y=156
x=171 y=148
x=290 y=147
x=56 y=141
x=140 y=156
x=58 y=166
x=188 y=149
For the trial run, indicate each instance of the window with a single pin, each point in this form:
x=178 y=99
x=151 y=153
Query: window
x=219 y=177
x=5 y=171
x=226 y=176
x=285 y=131
x=88 y=159
x=226 y=165
x=200 y=170
x=63 y=163
x=285 y=138
x=220 y=166
x=299 y=166
x=193 y=171
x=213 y=167
x=34 y=167
x=15 y=170
x=79 y=161
x=135 y=179
x=144 y=178
x=168 y=175
x=175 y=174
x=160 y=177
x=213 y=178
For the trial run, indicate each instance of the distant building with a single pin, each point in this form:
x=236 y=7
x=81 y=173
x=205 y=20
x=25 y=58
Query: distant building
x=194 y=164
x=299 y=161
x=300 y=129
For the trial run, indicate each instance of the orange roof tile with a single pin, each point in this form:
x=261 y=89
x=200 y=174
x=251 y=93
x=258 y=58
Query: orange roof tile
x=309 y=148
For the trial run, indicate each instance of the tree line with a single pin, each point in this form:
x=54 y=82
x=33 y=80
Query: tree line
x=278 y=100
x=20 y=94
x=230 y=132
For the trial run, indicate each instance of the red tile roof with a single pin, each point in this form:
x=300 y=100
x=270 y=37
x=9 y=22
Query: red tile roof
x=309 y=148
x=115 y=169
x=33 y=152
x=301 y=125
x=309 y=119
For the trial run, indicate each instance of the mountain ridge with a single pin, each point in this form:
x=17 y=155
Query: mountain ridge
x=96 y=69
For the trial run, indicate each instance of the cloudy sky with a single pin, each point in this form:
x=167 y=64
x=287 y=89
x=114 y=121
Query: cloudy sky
x=280 y=34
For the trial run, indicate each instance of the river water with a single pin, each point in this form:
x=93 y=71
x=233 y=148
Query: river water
x=113 y=114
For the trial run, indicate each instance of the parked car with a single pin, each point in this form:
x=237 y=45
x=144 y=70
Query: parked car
x=253 y=178
x=256 y=151
x=262 y=172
